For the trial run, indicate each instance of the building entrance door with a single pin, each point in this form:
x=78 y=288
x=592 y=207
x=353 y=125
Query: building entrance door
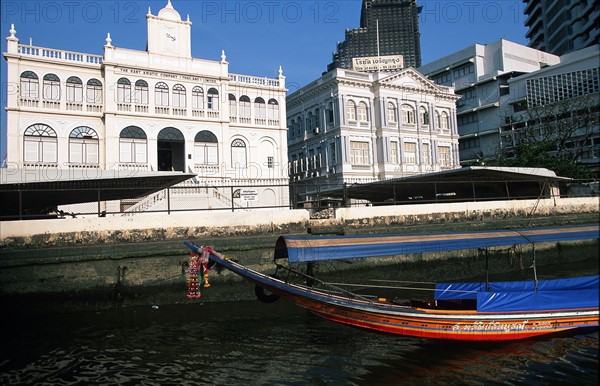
x=171 y=150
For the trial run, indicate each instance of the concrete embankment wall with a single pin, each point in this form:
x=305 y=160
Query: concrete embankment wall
x=109 y=261
x=157 y=227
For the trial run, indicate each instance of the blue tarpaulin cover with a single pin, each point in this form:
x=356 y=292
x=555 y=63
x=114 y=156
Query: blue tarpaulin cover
x=555 y=294
x=537 y=301
x=321 y=248
x=445 y=291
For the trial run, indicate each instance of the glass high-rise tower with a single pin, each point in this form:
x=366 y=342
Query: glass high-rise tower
x=394 y=22
x=562 y=26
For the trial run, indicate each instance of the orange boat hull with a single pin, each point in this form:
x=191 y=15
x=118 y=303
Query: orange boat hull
x=435 y=323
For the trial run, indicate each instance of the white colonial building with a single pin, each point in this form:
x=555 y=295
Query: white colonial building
x=356 y=127
x=155 y=110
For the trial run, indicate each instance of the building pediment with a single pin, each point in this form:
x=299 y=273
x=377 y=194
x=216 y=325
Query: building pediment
x=410 y=79
x=169 y=13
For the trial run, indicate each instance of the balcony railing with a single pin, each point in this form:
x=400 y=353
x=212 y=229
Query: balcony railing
x=30 y=102
x=73 y=106
x=59 y=55
x=254 y=80
x=51 y=104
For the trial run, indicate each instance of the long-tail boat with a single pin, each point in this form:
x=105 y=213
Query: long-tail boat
x=475 y=311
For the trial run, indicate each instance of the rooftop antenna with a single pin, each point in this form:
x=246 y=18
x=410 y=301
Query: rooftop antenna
x=378 y=57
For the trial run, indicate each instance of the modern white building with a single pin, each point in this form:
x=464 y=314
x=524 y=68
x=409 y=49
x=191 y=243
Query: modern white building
x=154 y=110
x=355 y=127
x=480 y=74
x=562 y=100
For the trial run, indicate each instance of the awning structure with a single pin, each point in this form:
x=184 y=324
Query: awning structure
x=473 y=183
x=322 y=248
x=34 y=192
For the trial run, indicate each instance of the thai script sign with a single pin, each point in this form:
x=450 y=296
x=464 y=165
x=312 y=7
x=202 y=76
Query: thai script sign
x=378 y=63
x=491 y=326
x=249 y=195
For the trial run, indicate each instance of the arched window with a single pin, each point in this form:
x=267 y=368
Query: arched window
x=161 y=94
x=206 y=148
x=299 y=125
x=213 y=99
x=310 y=121
x=232 y=106
x=40 y=144
x=51 y=87
x=133 y=145
x=74 y=89
x=170 y=134
x=83 y=146
x=408 y=115
x=437 y=119
x=351 y=111
x=94 y=91
x=133 y=132
x=198 y=98
x=273 y=109
x=362 y=112
x=391 y=113
x=179 y=96
x=291 y=127
x=141 y=92
x=30 y=85
x=424 y=115
x=260 y=111
x=123 y=90
x=238 y=153
x=244 y=106
x=444 y=121
x=330 y=114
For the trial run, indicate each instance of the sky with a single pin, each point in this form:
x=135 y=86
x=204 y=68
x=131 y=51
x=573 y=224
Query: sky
x=257 y=36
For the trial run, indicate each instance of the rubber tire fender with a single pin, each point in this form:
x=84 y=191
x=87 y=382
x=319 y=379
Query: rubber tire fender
x=263 y=296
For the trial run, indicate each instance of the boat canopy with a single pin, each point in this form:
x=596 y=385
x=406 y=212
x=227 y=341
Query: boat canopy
x=555 y=294
x=321 y=248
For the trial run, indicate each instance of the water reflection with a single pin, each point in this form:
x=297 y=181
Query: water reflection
x=251 y=343
x=559 y=360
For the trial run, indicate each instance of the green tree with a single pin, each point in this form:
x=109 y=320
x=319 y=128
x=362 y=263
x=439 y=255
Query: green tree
x=554 y=136
x=543 y=155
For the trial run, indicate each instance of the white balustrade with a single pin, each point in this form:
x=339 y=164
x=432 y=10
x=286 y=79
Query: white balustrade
x=60 y=55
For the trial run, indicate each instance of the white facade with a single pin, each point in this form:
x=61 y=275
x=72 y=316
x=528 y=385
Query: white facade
x=354 y=127
x=480 y=73
x=567 y=96
x=159 y=109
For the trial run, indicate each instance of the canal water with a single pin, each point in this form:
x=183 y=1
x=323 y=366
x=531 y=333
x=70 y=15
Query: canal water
x=251 y=343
